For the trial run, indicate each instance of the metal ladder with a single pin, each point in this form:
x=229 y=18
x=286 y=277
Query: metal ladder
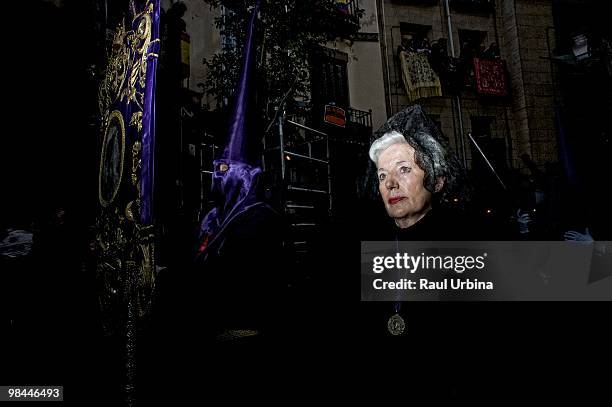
x=300 y=161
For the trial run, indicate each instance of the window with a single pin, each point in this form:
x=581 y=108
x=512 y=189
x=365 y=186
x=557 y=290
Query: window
x=329 y=78
x=472 y=43
x=414 y=36
x=481 y=127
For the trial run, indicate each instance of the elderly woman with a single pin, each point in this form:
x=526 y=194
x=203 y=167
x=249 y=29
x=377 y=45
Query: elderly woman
x=417 y=177
x=420 y=183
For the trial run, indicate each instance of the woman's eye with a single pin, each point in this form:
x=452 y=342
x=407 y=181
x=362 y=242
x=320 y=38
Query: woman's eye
x=404 y=170
x=381 y=177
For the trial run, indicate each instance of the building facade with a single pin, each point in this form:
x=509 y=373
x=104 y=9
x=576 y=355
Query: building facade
x=507 y=127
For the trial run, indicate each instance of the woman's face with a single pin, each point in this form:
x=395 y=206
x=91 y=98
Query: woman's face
x=400 y=182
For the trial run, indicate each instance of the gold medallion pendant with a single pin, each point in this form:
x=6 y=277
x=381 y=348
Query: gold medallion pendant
x=396 y=325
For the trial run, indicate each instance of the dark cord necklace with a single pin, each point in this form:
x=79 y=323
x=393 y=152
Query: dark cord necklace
x=396 y=324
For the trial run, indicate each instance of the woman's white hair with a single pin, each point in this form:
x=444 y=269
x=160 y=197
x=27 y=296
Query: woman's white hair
x=429 y=155
x=384 y=142
x=432 y=153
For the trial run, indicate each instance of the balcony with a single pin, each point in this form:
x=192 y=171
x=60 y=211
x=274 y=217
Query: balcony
x=357 y=124
x=358 y=118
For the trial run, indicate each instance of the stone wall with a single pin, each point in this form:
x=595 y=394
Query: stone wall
x=525 y=33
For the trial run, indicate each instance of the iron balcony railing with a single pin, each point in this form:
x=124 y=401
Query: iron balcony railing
x=359 y=117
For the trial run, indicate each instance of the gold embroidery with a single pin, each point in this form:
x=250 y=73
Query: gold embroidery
x=125 y=267
x=136 y=164
x=129 y=214
x=136 y=120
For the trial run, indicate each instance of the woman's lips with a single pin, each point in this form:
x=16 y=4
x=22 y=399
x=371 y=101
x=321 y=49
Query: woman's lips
x=393 y=201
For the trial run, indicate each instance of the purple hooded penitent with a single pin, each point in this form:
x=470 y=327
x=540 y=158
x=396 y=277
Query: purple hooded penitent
x=237 y=171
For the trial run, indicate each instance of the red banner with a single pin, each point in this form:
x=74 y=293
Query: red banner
x=491 y=78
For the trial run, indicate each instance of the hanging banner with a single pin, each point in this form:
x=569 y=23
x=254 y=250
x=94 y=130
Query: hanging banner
x=419 y=78
x=491 y=77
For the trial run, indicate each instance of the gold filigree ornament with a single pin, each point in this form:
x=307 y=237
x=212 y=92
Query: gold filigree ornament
x=129 y=211
x=116 y=71
x=129 y=53
x=136 y=164
x=136 y=120
x=138 y=43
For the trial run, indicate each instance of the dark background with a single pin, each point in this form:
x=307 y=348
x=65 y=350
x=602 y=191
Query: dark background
x=49 y=165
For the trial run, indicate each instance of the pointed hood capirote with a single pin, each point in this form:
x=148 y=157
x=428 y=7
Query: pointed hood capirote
x=242 y=139
x=237 y=171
